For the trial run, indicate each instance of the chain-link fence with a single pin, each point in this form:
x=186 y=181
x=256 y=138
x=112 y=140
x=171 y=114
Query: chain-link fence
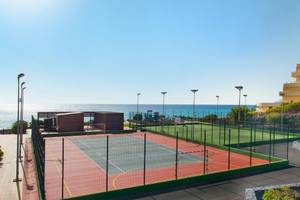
x=160 y=152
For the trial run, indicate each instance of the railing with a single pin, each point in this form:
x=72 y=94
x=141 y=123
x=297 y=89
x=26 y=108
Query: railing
x=5 y=131
x=39 y=152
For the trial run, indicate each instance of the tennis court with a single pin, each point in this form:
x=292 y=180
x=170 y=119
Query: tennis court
x=99 y=163
x=216 y=133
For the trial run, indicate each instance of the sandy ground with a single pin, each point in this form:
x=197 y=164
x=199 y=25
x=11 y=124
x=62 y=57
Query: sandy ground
x=8 y=188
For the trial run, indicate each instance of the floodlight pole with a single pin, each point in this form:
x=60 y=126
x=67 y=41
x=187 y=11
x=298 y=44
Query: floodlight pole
x=17 y=179
x=163 y=106
x=239 y=88
x=281 y=113
x=218 y=98
x=21 y=121
x=194 y=101
x=245 y=114
x=138 y=102
x=22 y=114
x=194 y=113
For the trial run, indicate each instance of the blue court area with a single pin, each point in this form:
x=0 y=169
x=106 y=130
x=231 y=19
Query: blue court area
x=126 y=153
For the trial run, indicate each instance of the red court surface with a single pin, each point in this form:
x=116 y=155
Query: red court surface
x=83 y=175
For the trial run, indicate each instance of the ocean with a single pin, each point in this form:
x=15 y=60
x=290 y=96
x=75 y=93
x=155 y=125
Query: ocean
x=8 y=113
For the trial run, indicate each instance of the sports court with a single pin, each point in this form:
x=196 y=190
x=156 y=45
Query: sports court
x=99 y=163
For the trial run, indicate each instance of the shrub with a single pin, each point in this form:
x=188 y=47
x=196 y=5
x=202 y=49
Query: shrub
x=15 y=127
x=209 y=118
x=1 y=154
x=274 y=117
x=244 y=111
x=284 y=193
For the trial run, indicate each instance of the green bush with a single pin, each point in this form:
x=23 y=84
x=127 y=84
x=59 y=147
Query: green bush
x=210 y=118
x=287 y=107
x=1 y=154
x=284 y=193
x=274 y=117
x=15 y=126
x=244 y=111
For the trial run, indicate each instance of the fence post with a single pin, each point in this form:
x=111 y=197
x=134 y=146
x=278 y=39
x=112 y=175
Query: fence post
x=176 y=159
x=145 y=139
x=287 y=143
x=212 y=132
x=273 y=142
x=254 y=137
x=229 y=148
x=239 y=134
x=263 y=130
x=107 y=157
x=201 y=128
x=62 y=167
x=224 y=132
x=251 y=134
x=270 y=144
x=220 y=132
x=204 y=163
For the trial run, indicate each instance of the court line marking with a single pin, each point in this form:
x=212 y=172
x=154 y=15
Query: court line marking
x=60 y=173
x=101 y=157
x=116 y=178
x=85 y=155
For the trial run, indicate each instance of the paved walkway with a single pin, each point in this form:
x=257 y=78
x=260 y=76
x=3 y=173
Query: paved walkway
x=235 y=189
x=9 y=189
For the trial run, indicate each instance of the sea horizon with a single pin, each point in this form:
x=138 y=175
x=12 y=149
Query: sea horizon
x=8 y=111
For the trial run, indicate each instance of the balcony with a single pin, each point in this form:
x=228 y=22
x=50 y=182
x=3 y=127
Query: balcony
x=296 y=74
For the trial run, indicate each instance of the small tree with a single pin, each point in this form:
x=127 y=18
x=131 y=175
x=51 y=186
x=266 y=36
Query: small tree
x=244 y=111
x=138 y=117
x=274 y=117
x=14 y=127
x=210 y=118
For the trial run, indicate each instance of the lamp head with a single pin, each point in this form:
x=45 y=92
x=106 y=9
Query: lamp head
x=138 y=94
x=239 y=87
x=164 y=93
x=245 y=95
x=21 y=75
x=194 y=90
x=218 y=96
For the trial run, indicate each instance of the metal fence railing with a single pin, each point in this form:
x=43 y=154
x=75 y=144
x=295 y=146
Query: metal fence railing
x=39 y=152
x=159 y=152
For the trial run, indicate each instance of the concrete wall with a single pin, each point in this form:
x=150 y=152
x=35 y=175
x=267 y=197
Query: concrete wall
x=70 y=122
x=113 y=121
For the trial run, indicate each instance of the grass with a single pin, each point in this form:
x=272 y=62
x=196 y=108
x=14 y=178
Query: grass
x=217 y=135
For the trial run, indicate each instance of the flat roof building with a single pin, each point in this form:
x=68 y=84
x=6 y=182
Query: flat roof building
x=291 y=91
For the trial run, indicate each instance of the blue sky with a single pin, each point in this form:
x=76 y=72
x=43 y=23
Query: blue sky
x=105 y=51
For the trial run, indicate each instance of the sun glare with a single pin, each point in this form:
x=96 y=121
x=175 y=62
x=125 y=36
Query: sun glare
x=28 y=8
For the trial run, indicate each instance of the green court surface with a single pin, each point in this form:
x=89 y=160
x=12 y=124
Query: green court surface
x=126 y=153
x=218 y=135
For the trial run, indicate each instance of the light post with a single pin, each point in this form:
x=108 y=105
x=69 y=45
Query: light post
x=194 y=113
x=21 y=119
x=194 y=101
x=163 y=107
x=245 y=112
x=218 y=98
x=239 y=88
x=281 y=113
x=22 y=111
x=138 y=102
x=17 y=179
